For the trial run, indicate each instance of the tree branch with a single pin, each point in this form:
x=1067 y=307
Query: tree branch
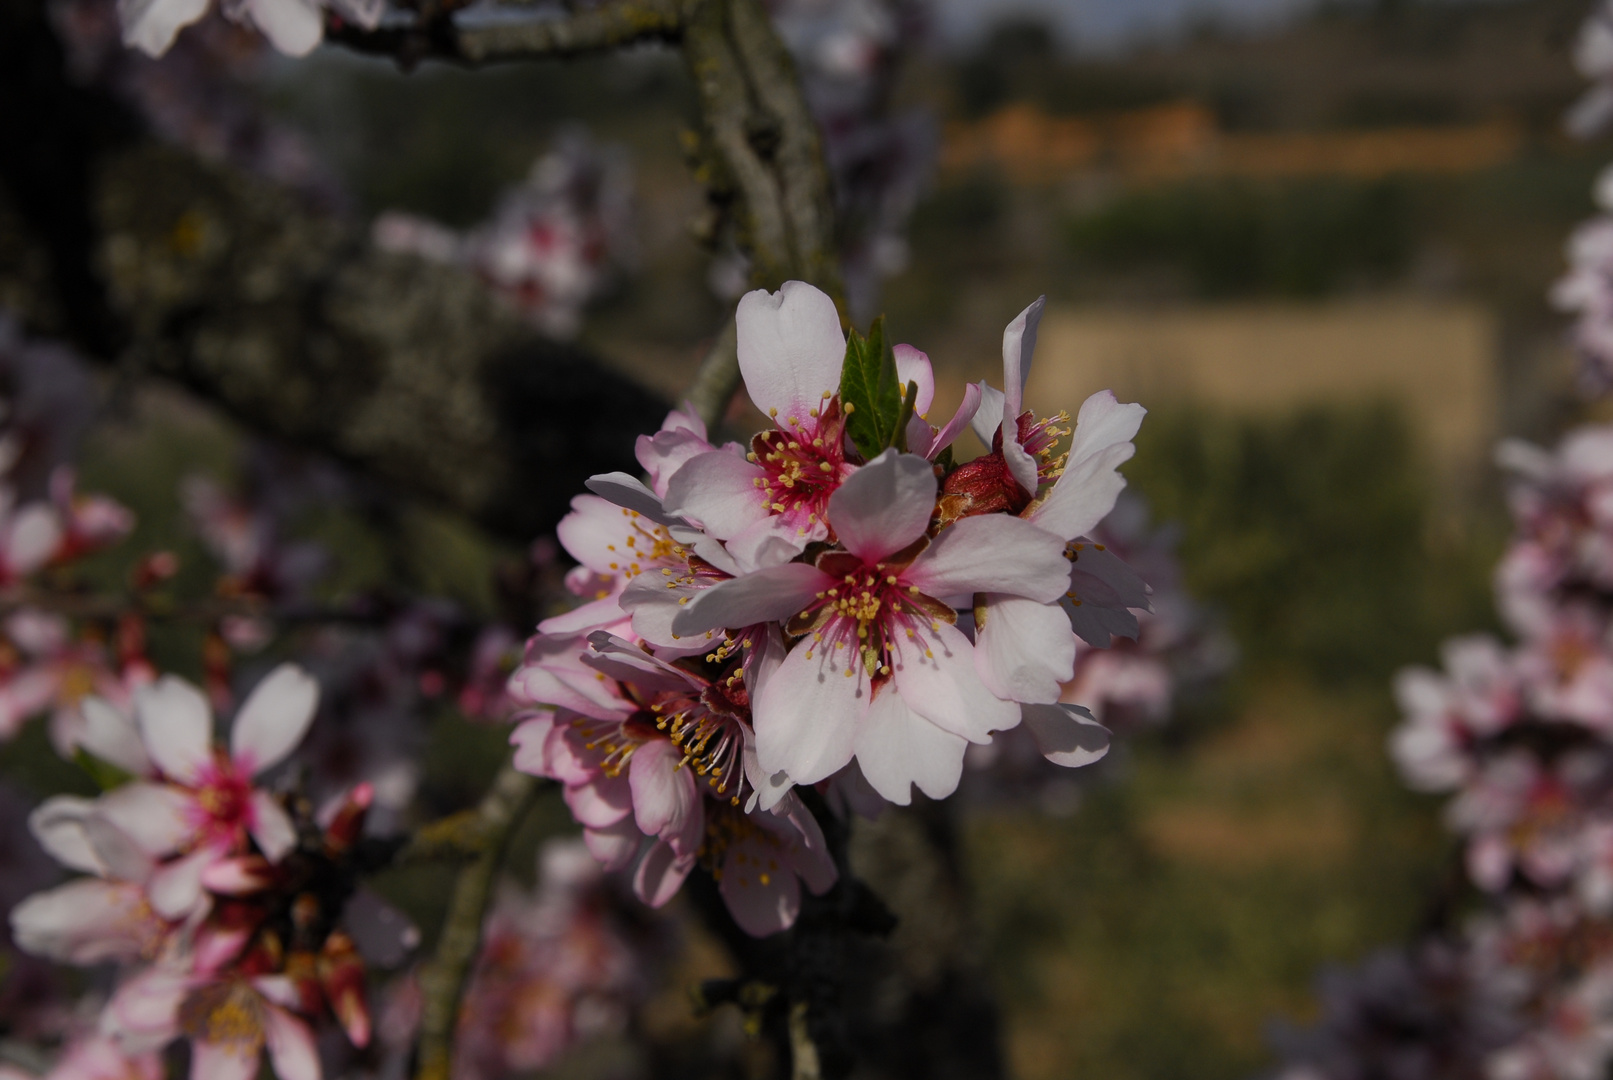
x=443 y=978
x=600 y=29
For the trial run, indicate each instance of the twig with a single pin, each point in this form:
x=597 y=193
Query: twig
x=442 y=979
x=600 y=29
x=717 y=379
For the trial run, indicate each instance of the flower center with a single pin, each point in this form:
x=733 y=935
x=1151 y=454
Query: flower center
x=644 y=545
x=225 y=797
x=802 y=463
x=226 y=1012
x=711 y=742
x=862 y=612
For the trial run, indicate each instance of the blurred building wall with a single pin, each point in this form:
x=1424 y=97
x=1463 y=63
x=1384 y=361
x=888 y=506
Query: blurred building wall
x=1437 y=361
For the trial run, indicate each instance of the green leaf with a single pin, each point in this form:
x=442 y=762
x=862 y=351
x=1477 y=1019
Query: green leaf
x=870 y=392
x=944 y=459
x=105 y=775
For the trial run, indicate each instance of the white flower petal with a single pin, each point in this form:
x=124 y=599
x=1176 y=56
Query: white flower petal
x=291 y=1045
x=884 y=506
x=1024 y=650
x=790 y=348
x=770 y=595
x=295 y=27
x=58 y=826
x=112 y=737
x=1066 y=734
x=992 y=553
x=159 y=818
x=935 y=674
x=272 y=827
x=630 y=493
x=274 y=719
x=1019 y=343
x=807 y=713
x=898 y=748
x=176 y=726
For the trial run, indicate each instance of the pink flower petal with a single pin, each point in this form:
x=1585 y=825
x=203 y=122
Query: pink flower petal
x=604 y=801
x=790 y=348
x=718 y=490
x=236 y=1060
x=960 y=419
x=1024 y=650
x=271 y=827
x=770 y=595
x=808 y=712
x=274 y=719
x=935 y=674
x=615 y=846
x=176 y=725
x=992 y=553
x=898 y=748
x=530 y=738
x=884 y=506
x=763 y=896
x=913 y=366
x=660 y=873
x=664 y=794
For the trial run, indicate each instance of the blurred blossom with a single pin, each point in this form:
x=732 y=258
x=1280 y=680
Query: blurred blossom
x=202 y=94
x=849 y=54
x=47 y=664
x=1419 y=1014
x=555 y=243
x=558 y=966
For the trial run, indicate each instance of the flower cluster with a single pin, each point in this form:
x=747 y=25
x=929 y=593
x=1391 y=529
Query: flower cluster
x=842 y=605
x=203 y=93
x=218 y=899
x=47 y=664
x=1587 y=288
x=557 y=966
x=555 y=243
x=1521 y=737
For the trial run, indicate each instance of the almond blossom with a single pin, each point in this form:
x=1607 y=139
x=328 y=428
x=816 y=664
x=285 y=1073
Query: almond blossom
x=656 y=763
x=790 y=352
x=203 y=804
x=817 y=614
x=883 y=674
x=295 y=27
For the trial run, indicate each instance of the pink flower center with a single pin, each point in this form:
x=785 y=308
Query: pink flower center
x=224 y=798
x=862 y=612
x=802 y=463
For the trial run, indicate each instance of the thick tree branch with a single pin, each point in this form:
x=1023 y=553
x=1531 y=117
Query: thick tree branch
x=608 y=26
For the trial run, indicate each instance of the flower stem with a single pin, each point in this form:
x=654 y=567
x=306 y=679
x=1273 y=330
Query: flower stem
x=443 y=978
